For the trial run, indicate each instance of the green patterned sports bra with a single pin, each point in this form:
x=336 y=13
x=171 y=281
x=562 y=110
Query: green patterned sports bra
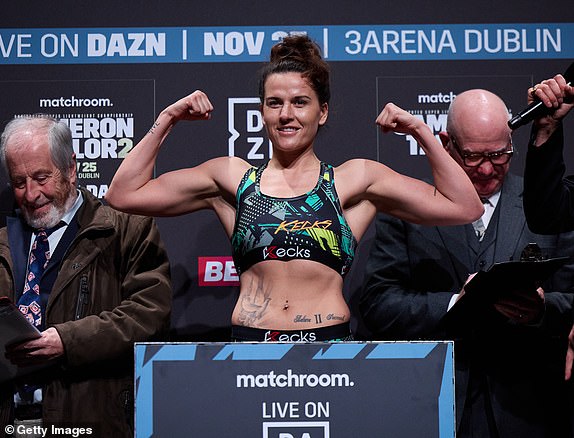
x=307 y=227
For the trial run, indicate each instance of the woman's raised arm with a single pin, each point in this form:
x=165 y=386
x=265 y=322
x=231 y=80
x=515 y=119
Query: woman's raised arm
x=133 y=188
x=452 y=200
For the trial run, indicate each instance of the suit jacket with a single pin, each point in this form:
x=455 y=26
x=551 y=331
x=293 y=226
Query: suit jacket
x=548 y=195
x=413 y=272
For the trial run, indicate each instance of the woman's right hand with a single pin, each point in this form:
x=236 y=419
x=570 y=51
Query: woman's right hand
x=195 y=106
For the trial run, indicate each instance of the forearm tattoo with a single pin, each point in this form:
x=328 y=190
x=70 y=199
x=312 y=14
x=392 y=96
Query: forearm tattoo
x=154 y=126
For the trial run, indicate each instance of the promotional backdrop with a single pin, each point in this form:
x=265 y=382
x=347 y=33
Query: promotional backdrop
x=107 y=68
x=302 y=390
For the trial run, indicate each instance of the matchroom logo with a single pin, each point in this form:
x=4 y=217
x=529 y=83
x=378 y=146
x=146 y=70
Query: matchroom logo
x=217 y=271
x=296 y=429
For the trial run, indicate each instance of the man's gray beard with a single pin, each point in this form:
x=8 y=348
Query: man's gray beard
x=54 y=214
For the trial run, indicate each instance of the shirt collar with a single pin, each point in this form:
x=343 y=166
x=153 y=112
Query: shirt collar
x=492 y=200
x=67 y=218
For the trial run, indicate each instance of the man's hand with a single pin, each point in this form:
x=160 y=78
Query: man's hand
x=462 y=291
x=554 y=93
x=523 y=307
x=38 y=351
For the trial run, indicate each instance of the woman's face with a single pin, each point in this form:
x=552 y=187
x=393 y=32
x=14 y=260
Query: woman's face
x=291 y=111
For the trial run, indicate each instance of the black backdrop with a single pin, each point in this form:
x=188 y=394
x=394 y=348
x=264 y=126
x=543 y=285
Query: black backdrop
x=361 y=84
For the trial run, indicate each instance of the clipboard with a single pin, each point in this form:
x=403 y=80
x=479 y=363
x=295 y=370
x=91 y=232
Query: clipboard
x=475 y=306
x=14 y=328
x=513 y=274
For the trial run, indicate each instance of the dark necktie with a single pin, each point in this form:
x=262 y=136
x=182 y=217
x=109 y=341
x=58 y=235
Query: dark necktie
x=30 y=302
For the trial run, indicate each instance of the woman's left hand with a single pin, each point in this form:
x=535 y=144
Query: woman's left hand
x=395 y=119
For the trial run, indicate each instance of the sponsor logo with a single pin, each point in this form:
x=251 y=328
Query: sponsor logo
x=436 y=98
x=302 y=336
x=273 y=252
x=292 y=379
x=75 y=102
x=302 y=225
x=245 y=124
x=138 y=44
x=296 y=429
x=217 y=271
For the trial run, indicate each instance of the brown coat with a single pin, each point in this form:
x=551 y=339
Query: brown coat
x=120 y=264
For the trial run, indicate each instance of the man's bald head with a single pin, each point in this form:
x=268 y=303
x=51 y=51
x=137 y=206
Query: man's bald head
x=479 y=139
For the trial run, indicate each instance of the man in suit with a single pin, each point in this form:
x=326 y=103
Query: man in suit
x=102 y=284
x=509 y=344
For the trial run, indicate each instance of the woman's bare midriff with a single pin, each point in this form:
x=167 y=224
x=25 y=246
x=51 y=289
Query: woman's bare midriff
x=293 y=295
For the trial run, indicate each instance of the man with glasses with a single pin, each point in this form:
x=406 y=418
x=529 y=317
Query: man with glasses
x=509 y=350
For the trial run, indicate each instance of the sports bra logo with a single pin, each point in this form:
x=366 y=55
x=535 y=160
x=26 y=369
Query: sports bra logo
x=272 y=252
x=302 y=225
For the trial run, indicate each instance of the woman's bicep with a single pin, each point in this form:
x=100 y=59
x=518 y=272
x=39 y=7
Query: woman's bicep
x=177 y=192
x=405 y=197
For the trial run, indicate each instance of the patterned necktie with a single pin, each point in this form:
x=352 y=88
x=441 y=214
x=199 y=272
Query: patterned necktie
x=30 y=303
x=479 y=226
x=479 y=229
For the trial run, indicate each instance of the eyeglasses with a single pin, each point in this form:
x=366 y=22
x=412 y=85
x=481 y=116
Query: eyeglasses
x=471 y=159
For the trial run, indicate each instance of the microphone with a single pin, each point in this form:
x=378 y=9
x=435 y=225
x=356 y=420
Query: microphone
x=537 y=109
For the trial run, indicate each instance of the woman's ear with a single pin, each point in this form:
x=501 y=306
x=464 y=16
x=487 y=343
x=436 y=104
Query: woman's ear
x=324 y=114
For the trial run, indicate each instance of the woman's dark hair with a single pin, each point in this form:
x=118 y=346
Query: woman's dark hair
x=300 y=54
